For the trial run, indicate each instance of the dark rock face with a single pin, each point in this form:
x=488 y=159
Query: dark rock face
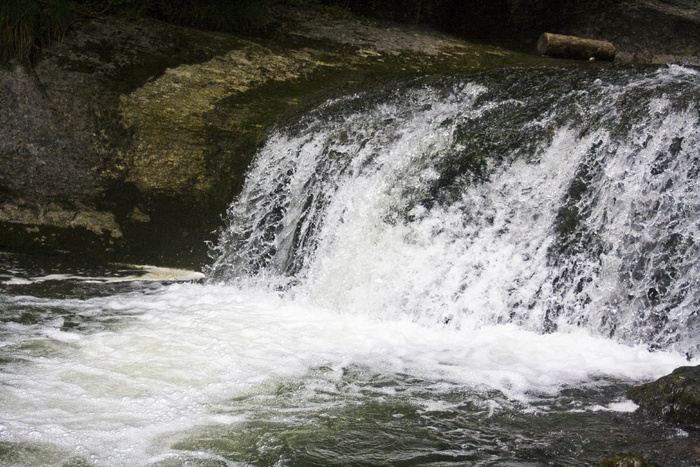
x=644 y=31
x=127 y=140
x=675 y=398
x=626 y=460
x=64 y=150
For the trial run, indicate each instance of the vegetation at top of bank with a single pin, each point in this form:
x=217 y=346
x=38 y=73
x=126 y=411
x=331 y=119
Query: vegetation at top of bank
x=28 y=25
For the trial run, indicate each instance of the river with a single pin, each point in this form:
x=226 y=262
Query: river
x=446 y=270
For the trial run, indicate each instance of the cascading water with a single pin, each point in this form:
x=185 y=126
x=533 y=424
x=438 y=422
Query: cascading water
x=467 y=204
x=443 y=271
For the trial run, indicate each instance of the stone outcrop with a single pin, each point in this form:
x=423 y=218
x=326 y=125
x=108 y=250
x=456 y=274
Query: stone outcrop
x=674 y=398
x=65 y=151
x=126 y=140
x=643 y=31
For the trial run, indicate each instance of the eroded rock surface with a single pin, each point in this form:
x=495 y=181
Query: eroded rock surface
x=674 y=398
x=126 y=140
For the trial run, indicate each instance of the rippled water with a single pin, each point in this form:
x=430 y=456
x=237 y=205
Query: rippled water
x=192 y=374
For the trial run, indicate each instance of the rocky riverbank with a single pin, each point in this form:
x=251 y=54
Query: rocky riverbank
x=126 y=140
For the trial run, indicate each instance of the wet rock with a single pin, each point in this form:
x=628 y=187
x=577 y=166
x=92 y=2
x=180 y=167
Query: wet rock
x=626 y=460
x=127 y=140
x=643 y=31
x=674 y=398
x=64 y=149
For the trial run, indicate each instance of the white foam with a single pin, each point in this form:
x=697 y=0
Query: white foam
x=482 y=256
x=625 y=406
x=112 y=396
x=587 y=223
x=17 y=281
x=421 y=294
x=140 y=273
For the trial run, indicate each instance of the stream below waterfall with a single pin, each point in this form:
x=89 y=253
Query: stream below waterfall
x=448 y=270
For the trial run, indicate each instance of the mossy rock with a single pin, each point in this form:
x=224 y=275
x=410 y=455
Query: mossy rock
x=137 y=134
x=674 y=398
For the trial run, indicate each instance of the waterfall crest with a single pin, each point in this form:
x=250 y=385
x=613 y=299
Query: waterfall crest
x=547 y=198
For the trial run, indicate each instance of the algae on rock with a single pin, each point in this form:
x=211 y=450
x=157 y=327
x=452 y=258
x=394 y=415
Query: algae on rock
x=142 y=131
x=674 y=398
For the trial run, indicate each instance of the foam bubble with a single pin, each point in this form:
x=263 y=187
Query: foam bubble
x=185 y=349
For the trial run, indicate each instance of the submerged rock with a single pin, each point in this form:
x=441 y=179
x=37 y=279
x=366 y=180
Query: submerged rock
x=674 y=398
x=626 y=460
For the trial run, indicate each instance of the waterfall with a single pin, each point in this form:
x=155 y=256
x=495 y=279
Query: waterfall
x=452 y=270
x=551 y=199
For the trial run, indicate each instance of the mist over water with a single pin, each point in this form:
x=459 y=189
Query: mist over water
x=450 y=270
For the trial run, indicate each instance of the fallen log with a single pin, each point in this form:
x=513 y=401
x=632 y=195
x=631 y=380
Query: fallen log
x=576 y=48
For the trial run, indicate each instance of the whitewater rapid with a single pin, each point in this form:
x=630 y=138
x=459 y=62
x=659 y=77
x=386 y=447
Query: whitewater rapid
x=473 y=203
x=189 y=356
x=458 y=252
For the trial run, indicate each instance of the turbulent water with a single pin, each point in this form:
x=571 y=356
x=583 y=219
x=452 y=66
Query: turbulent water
x=470 y=204
x=442 y=270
